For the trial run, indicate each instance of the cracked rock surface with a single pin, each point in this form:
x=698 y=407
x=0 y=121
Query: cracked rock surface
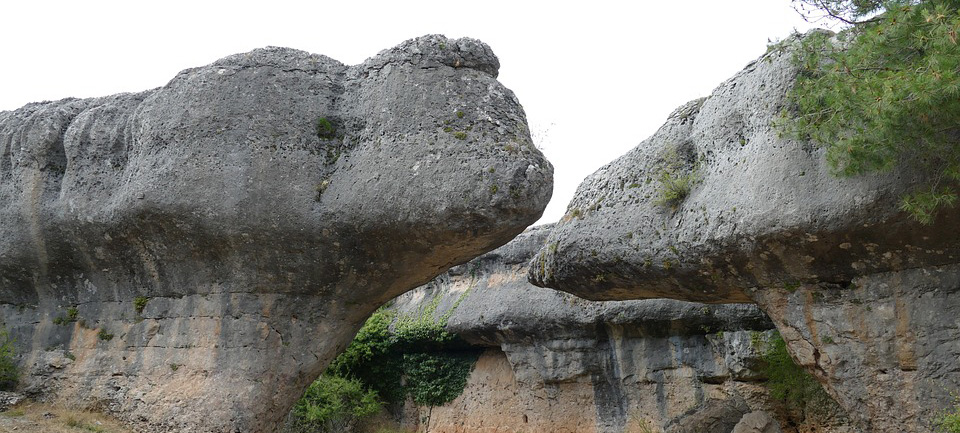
x=191 y=257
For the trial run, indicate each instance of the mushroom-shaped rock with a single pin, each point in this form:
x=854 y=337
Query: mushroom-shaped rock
x=719 y=206
x=719 y=200
x=191 y=257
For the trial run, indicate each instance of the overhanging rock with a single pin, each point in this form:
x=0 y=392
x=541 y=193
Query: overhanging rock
x=191 y=257
x=865 y=297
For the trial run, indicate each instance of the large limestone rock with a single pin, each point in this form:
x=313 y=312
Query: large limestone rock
x=191 y=257
x=555 y=362
x=866 y=297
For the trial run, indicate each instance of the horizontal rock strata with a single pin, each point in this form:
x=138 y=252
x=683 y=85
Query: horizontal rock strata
x=556 y=362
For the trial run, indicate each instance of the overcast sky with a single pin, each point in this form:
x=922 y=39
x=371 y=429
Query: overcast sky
x=595 y=78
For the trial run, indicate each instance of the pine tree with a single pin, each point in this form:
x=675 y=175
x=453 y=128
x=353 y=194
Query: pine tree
x=885 y=91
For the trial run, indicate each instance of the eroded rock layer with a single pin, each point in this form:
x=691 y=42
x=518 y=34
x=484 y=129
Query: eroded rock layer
x=191 y=257
x=558 y=363
x=719 y=206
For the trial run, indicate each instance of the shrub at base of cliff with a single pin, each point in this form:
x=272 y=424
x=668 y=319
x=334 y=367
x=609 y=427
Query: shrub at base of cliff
x=8 y=368
x=332 y=404
x=419 y=359
x=797 y=396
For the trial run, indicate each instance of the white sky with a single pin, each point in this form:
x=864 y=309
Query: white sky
x=595 y=77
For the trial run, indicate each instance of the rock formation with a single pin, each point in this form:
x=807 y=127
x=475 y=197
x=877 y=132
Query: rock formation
x=866 y=297
x=558 y=363
x=191 y=257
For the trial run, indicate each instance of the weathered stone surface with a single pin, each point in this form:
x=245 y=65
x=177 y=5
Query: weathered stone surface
x=764 y=212
x=766 y=221
x=8 y=399
x=757 y=422
x=191 y=257
x=887 y=347
x=559 y=363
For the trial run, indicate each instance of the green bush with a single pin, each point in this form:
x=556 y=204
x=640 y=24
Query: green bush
x=371 y=358
x=674 y=188
x=8 y=368
x=885 y=93
x=786 y=380
x=139 y=303
x=333 y=404
x=435 y=379
x=418 y=357
x=949 y=420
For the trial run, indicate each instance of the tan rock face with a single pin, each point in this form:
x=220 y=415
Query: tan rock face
x=885 y=346
x=495 y=402
x=191 y=257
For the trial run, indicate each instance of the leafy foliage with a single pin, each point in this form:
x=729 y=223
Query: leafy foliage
x=949 y=420
x=674 y=188
x=8 y=368
x=885 y=92
x=785 y=379
x=434 y=379
x=333 y=404
x=419 y=358
x=371 y=358
x=325 y=129
x=139 y=303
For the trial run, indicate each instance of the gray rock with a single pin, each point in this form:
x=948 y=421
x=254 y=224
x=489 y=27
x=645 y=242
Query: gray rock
x=764 y=211
x=757 y=422
x=887 y=348
x=716 y=416
x=207 y=247
x=865 y=296
x=592 y=366
x=8 y=399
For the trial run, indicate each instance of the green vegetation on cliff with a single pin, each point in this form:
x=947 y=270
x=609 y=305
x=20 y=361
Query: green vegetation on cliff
x=333 y=404
x=417 y=358
x=8 y=367
x=885 y=92
x=949 y=420
x=796 y=393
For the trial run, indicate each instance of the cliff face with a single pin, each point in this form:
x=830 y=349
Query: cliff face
x=556 y=362
x=191 y=257
x=865 y=296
